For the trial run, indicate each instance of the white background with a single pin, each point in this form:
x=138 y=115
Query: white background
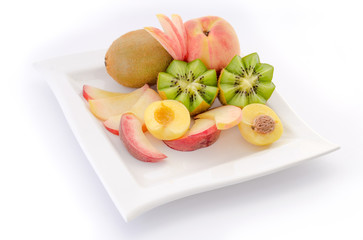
x=48 y=190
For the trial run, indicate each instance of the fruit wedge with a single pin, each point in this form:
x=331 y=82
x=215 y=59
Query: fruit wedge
x=225 y=116
x=203 y=133
x=91 y=93
x=173 y=39
x=135 y=140
x=104 y=108
x=112 y=124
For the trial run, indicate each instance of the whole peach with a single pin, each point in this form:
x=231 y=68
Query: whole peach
x=213 y=40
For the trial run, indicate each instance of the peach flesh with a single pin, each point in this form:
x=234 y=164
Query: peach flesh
x=167 y=119
x=164 y=115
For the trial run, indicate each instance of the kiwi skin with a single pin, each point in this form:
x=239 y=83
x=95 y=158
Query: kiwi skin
x=136 y=58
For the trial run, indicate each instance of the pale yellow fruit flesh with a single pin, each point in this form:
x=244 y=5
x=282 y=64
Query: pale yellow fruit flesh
x=246 y=126
x=167 y=119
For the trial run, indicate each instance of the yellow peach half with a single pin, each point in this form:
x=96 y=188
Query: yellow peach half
x=260 y=125
x=167 y=119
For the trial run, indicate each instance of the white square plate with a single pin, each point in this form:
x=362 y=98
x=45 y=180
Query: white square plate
x=135 y=186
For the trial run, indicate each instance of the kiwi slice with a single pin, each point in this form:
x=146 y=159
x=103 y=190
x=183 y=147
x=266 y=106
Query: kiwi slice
x=245 y=81
x=189 y=83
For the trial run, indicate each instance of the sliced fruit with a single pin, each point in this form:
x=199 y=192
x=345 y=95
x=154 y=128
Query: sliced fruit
x=178 y=22
x=91 y=93
x=201 y=38
x=136 y=58
x=171 y=30
x=189 y=83
x=165 y=41
x=225 y=116
x=260 y=125
x=173 y=39
x=167 y=119
x=135 y=140
x=112 y=124
x=104 y=108
x=245 y=81
x=203 y=133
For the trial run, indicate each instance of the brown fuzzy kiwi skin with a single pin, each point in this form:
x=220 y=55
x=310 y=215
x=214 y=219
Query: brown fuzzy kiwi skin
x=136 y=58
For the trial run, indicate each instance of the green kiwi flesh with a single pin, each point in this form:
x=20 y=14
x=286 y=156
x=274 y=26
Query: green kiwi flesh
x=189 y=83
x=245 y=81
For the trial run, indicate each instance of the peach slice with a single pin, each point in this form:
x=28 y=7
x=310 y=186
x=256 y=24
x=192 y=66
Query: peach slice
x=112 y=124
x=203 y=133
x=178 y=22
x=260 y=125
x=135 y=140
x=104 y=108
x=91 y=93
x=210 y=39
x=170 y=46
x=167 y=119
x=174 y=37
x=171 y=30
x=226 y=116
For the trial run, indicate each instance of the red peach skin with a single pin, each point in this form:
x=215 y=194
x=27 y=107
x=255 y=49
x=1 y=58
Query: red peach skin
x=203 y=133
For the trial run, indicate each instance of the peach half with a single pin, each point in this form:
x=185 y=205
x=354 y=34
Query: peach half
x=167 y=119
x=260 y=125
x=203 y=133
x=135 y=140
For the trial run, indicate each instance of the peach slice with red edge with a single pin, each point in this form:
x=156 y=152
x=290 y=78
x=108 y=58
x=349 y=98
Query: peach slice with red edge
x=91 y=93
x=173 y=39
x=112 y=124
x=165 y=41
x=226 y=116
x=178 y=22
x=203 y=133
x=135 y=140
x=104 y=108
x=171 y=30
x=167 y=119
x=201 y=38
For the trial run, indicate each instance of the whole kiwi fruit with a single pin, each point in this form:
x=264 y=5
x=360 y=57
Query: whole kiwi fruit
x=136 y=58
